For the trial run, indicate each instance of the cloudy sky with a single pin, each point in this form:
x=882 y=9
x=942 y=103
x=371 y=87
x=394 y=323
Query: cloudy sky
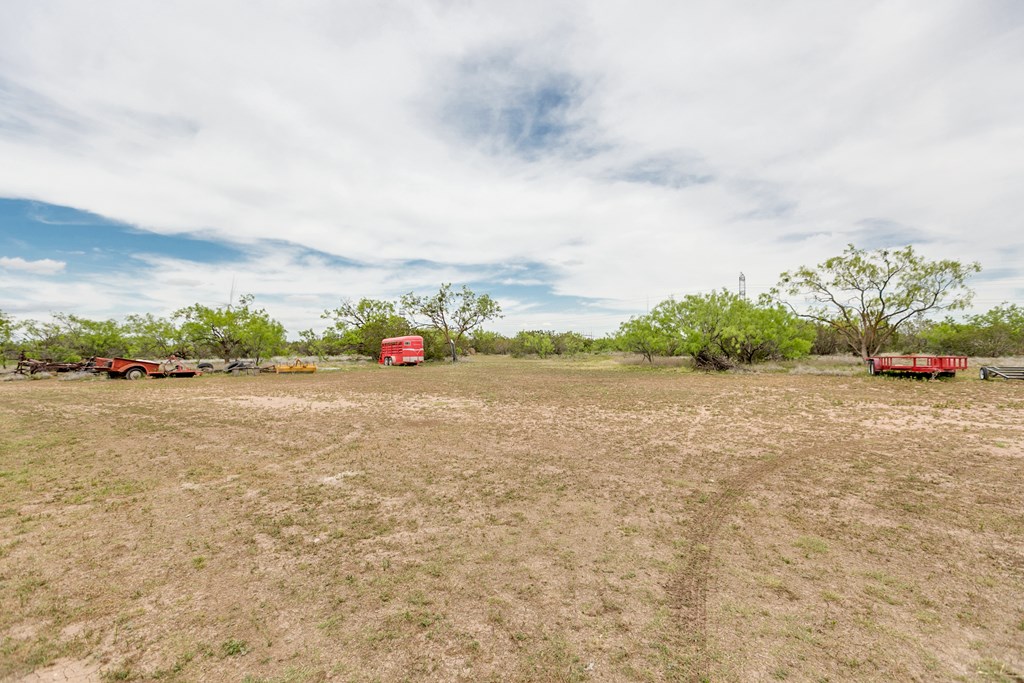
x=579 y=161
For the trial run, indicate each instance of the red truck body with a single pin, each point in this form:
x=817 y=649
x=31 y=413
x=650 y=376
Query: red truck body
x=130 y=368
x=406 y=350
x=936 y=366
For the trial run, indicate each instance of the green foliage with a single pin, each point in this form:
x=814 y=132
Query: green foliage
x=262 y=337
x=493 y=343
x=545 y=343
x=329 y=343
x=827 y=340
x=70 y=338
x=360 y=327
x=765 y=331
x=720 y=329
x=452 y=313
x=151 y=337
x=232 y=331
x=94 y=337
x=570 y=343
x=535 y=342
x=867 y=296
x=605 y=344
x=643 y=335
x=234 y=647
x=997 y=332
x=7 y=328
x=435 y=345
x=540 y=342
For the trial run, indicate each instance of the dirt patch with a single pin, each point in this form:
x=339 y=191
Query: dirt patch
x=65 y=671
x=689 y=588
x=512 y=520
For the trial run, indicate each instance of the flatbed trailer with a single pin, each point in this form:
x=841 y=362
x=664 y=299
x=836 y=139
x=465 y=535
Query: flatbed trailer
x=1004 y=371
x=933 y=366
x=131 y=368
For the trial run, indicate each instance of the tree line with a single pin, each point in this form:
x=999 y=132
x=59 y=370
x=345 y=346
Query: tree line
x=861 y=302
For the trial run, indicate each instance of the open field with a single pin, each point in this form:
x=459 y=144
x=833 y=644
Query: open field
x=513 y=520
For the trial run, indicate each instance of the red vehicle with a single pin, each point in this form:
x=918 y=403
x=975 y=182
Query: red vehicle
x=406 y=350
x=934 y=366
x=129 y=368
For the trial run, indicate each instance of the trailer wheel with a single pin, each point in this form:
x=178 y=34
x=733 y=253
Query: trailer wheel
x=983 y=373
x=871 y=366
x=388 y=361
x=135 y=373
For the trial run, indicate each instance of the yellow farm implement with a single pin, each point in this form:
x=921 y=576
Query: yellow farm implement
x=297 y=366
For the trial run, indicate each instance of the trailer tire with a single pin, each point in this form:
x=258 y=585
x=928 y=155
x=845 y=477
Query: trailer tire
x=983 y=373
x=134 y=373
x=388 y=361
x=206 y=367
x=871 y=366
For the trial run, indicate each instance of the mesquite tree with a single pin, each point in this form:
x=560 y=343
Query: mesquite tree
x=867 y=295
x=453 y=314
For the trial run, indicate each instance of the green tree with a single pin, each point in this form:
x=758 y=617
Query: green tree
x=262 y=336
x=997 y=332
x=867 y=296
x=483 y=341
x=362 y=325
x=232 y=330
x=765 y=331
x=149 y=336
x=7 y=328
x=720 y=329
x=1000 y=331
x=529 y=342
x=643 y=335
x=451 y=313
x=71 y=338
x=697 y=325
x=570 y=343
x=46 y=340
x=328 y=343
x=90 y=338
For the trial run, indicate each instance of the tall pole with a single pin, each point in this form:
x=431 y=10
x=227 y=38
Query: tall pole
x=743 y=286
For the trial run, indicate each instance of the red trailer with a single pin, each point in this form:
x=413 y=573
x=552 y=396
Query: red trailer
x=406 y=350
x=933 y=366
x=129 y=368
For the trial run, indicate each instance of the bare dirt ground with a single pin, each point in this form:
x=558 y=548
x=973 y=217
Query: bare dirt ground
x=512 y=520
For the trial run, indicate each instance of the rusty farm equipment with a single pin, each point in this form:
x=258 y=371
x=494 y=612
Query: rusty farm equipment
x=130 y=368
x=31 y=366
x=298 y=365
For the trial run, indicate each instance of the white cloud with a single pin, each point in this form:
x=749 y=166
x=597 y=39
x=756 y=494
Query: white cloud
x=41 y=267
x=692 y=138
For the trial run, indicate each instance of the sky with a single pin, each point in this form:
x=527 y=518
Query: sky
x=578 y=161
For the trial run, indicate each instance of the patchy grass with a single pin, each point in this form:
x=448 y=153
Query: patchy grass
x=583 y=519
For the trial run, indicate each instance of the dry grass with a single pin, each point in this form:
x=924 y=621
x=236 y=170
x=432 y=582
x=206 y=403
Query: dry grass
x=513 y=521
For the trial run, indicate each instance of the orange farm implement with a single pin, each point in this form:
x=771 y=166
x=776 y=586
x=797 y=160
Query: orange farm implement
x=129 y=368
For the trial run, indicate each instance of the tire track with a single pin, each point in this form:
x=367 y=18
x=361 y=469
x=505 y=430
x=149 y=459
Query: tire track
x=688 y=591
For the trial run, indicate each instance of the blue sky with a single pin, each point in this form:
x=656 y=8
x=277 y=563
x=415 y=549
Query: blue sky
x=578 y=161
